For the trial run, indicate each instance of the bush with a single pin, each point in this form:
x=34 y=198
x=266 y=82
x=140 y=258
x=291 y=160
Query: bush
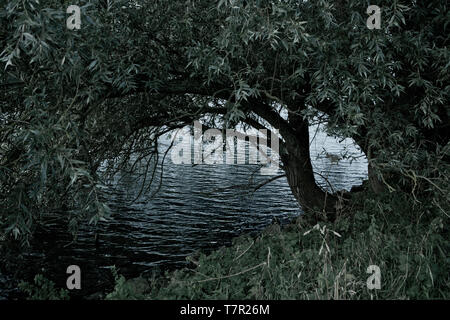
x=328 y=260
x=131 y=289
x=43 y=289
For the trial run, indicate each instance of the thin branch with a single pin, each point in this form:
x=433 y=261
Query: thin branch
x=259 y=186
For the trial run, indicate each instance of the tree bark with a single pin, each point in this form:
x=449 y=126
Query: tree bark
x=300 y=175
x=296 y=159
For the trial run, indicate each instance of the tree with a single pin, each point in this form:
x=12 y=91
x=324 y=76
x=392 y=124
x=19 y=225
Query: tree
x=73 y=99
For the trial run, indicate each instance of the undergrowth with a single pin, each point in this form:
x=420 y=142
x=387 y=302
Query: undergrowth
x=305 y=260
x=408 y=242
x=43 y=289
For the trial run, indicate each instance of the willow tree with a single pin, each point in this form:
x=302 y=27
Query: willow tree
x=136 y=69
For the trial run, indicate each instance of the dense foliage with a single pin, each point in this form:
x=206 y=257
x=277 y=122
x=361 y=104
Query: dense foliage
x=43 y=289
x=74 y=99
x=322 y=261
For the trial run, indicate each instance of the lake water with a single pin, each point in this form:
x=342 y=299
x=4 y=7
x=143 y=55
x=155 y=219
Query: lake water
x=198 y=208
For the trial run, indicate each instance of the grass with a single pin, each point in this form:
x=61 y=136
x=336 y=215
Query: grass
x=408 y=242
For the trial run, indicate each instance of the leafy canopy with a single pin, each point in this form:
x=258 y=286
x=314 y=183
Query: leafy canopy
x=72 y=99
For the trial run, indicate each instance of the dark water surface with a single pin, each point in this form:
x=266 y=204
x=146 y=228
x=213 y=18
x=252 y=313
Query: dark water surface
x=198 y=208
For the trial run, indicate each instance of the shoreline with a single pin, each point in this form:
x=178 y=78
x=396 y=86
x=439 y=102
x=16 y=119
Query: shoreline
x=305 y=260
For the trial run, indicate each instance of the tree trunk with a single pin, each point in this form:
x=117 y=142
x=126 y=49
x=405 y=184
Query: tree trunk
x=300 y=176
x=311 y=198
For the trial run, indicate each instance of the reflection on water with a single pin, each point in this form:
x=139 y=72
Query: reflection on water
x=198 y=207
